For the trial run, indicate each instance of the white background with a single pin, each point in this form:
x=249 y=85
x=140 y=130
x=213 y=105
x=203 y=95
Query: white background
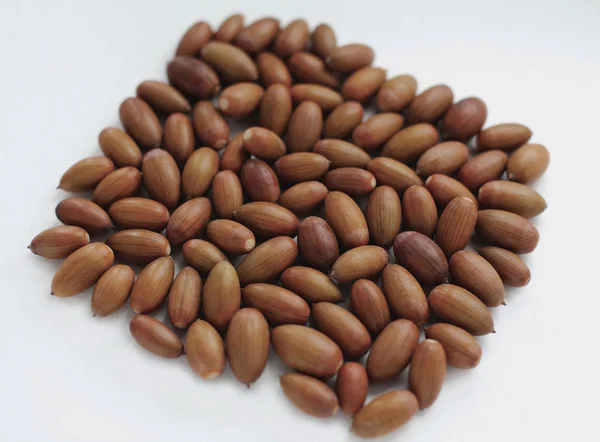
x=68 y=377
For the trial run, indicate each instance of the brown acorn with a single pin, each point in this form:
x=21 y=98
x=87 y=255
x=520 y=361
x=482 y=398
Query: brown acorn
x=427 y=372
x=230 y=236
x=385 y=414
x=377 y=130
x=199 y=172
x=293 y=38
x=59 y=242
x=363 y=84
x=456 y=225
x=512 y=269
x=234 y=155
x=179 y=137
x=85 y=214
x=396 y=93
x=472 y=272
x=184 y=300
x=310 y=284
x=392 y=350
x=210 y=126
x=227 y=193
x=152 y=285
x=410 y=143
x=430 y=105
x=528 y=163
x=507 y=230
x=138 y=245
x=230 y=28
x=247 y=344
x=350 y=57
x=343 y=120
x=323 y=40
x=272 y=70
x=119 y=147
x=342 y=154
x=267 y=219
x=404 y=295
x=112 y=290
x=304 y=128
x=276 y=108
x=121 y=183
x=194 y=39
x=162 y=96
x=258 y=35
x=318 y=243
x=204 y=350
x=240 y=100
x=188 y=220
x=309 y=68
x=369 y=305
x=202 y=255
x=421 y=257
x=230 y=62
x=390 y=172
x=263 y=143
x=81 y=269
x=352 y=181
x=351 y=387
x=139 y=213
x=301 y=166
x=155 y=336
x=86 y=174
x=346 y=220
x=268 y=260
x=461 y=348
x=162 y=178
x=302 y=198
x=221 y=295
x=419 y=211
x=278 y=305
x=325 y=97
x=140 y=121
x=384 y=215
x=359 y=262
x=310 y=395
x=260 y=181
x=444 y=189
x=193 y=77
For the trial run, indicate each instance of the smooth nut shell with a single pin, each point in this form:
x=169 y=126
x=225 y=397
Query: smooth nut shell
x=343 y=327
x=419 y=211
x=230 y=28
x=240 y=100
x=369 y=305
x=119 y=147
x=152 y=285
x=350 y=57
x=506 y=136
x=293 y=38
x=210 y=126
x=221 y=295
x=427 y=372
x=353 y=181
x=351 y=387
x=184 y=300
x=346 y=220
x=444 y=189
x=318 y=243
x=507 y=230
x=260 y=181
x=324 y=40
x=512 y=197
x=85 y=214
x=163 y=97
x=276 y=108
x=272 y=70
x=385 y=413
x=464 y=119
x=512 y=269
x=139 y=213
x=391 y=352
x=377 y=130
x=194 y=39
x=480 y=169
x=325 y=97
x=234 y=155
x=307 y=350
x=445 y=158
x=59 y=242
x=267 y=219
x=384 y=215
x=202 y=255
x=227 y=194
x=302 y=198
x=363 y=84
x=455 y=305
x=390 y=172
x=410 y=143
x=205 y=350
x=112 y=290
x=396 y=93
x=258 y=35
x=138 y=245
x=155 y=336
x=86 y=174
x=528 y=163
x=247 y=344
x=188 y=220
x=359 y=262
x=301 y=166
x=342 y=154
x=268 y=260
x=304 y=128
x=263 y=143
x=140 y=121
x=81 y=269
x=278 y=305
x=162 y=178
x=404 y=295
x=310 y=284
x=179 y=137
x=193 y=77
x=430 y=105
x=310 y=395
x=456 y=225
x=230 y=62
x=230 y=236
x=472 y=272
x=461 y=348
x=308 y=68
x=421 y=257
x=199 y=172
x=343 y=120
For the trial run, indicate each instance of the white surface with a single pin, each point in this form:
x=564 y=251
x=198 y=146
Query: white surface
x=64 y=69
